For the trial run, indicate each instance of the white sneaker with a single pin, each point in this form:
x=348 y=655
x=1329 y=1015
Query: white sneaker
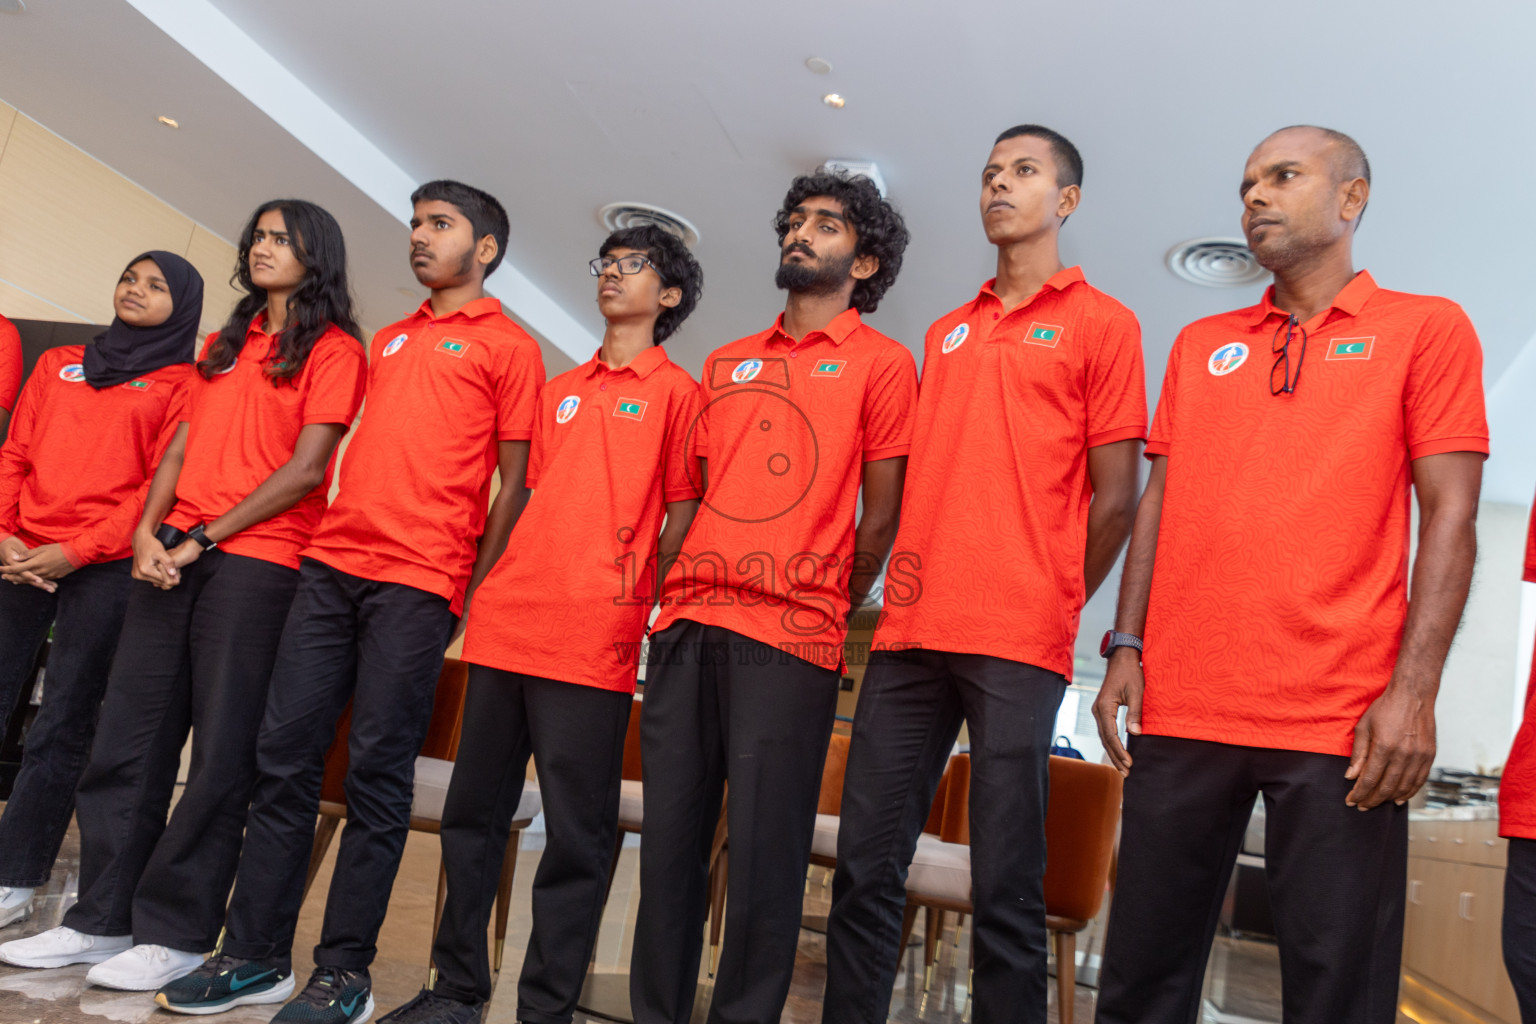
x=143 y=968
x=15 y=904
x=61 y=946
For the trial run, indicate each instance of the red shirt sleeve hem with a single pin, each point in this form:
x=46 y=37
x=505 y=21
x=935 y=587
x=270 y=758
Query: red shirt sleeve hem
x=514 y=435
x=680 y=494
x=876 y=454
x=1478 y=445
x=339 y=418
x=73 y=556
x=1137 y=433
x=530 y=481
x=1156 y=448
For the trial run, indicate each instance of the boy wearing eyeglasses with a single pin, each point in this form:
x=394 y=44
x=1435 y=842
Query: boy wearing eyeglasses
x=554 y=638
x=1267 y=574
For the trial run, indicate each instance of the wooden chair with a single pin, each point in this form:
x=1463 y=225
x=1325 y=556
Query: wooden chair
x=1080 y=826
x=434 y=769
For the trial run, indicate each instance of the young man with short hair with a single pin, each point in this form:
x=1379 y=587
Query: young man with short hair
x=745 y=659
x=451 y=398
x=1020 y=491
x=554 y=639
x=1267 y=577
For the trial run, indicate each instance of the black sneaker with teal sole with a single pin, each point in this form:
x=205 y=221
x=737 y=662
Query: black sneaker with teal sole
x=431 y=1008
x=333 y=996
x=223 y=983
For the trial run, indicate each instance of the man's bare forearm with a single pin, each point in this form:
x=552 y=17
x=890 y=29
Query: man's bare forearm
x=1136 y=582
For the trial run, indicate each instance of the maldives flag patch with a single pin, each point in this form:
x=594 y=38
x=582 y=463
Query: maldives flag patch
x=1043 y=334
x=829 y=368
x=1351 y=348
x=453 y=348
x=139 y=385
x=630 y=409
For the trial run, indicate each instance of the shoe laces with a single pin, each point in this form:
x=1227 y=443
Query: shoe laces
x=324 y=985
x=217 y=965
x=150 y=952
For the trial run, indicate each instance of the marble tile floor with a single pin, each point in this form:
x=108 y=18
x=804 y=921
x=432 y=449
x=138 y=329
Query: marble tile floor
x=1243 y=987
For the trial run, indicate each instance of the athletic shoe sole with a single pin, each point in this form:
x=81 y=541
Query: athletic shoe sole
x=276 y=994
x=140 y=984
x=89 y=956
x=367 y=1014
x=17 y=913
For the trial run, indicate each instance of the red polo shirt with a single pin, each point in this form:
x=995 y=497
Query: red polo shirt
x=570 y=598
x=994 y=522
x=416 y=481
x=78 y=461
x=1280 y=590
x=244 y=426
x=787 y=427
x=1517 y=788
x=10 y=364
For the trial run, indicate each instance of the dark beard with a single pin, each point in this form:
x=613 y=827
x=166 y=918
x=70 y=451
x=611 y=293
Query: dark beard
x=820 y=278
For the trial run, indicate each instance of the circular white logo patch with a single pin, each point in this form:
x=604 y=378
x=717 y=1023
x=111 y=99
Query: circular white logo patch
x=746 y=370
x=1227 y=358
x=394 y=345
x=567 y=409
x=955 y=338
x=74 y=373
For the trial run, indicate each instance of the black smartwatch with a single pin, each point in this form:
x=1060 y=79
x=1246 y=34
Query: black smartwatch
x=208 y=544
x=1112 y=640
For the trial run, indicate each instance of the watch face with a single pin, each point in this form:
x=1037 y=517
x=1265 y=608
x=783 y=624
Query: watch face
x=1104 y=644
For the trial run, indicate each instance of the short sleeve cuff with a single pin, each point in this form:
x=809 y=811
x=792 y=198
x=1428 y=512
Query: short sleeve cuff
x=680 y=494
x=1156 y=447
x=340 y=419
x=74 y=556
x=1136 y=433
x=1477 y=445
x=530 y=481
x=894 y=451
x=515 y=435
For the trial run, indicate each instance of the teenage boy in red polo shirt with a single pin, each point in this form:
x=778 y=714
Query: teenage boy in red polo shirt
x=554 y=637
x=1517 y=823
x=745 y=659
x=1267 y=574
x=451 y=396
x=1020 y=492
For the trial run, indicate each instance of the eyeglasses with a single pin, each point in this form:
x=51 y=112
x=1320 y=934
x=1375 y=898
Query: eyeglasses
x=1281 y=370
x=631 y=264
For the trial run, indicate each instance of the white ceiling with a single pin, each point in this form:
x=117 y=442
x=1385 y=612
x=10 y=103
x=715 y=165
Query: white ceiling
x=707 y=109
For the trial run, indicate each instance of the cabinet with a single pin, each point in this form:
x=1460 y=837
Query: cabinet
x=1455 y=905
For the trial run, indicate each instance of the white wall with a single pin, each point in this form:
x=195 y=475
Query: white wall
x=1475 y=710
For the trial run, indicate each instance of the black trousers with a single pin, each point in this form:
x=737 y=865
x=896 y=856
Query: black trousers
x=1337 y=882
x=87 y=615
x=194 y=658
x=1520 y=924
x=908 y=715
x=381 y=644
x=720 y=706
x=575 y=735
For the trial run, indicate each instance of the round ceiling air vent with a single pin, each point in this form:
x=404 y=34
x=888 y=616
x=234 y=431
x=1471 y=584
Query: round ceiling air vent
x=616 y=216
x=1216 y=262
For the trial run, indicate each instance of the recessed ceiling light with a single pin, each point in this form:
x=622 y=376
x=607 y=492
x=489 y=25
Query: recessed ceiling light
x=169 y=122
x=617 y=216
x=12 y=7
x=833 y=100
x=1216 y=263
x=820 y=65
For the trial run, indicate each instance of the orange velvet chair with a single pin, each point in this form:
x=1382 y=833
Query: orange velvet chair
x=434 y=769
x=1080 y=828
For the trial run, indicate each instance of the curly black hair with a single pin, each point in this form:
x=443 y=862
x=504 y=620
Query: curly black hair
x=674 y=264
x=878 y=228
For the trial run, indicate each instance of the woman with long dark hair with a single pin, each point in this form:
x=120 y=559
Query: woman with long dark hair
x=216 y=557
x=90 y=427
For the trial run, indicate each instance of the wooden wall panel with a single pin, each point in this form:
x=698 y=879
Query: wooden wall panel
x=69 y=224
x=18 y=305
x=214 y=258
x=7 y=118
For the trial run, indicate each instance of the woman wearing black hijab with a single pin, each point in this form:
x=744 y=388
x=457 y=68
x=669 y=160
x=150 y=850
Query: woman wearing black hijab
x=90 y=427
